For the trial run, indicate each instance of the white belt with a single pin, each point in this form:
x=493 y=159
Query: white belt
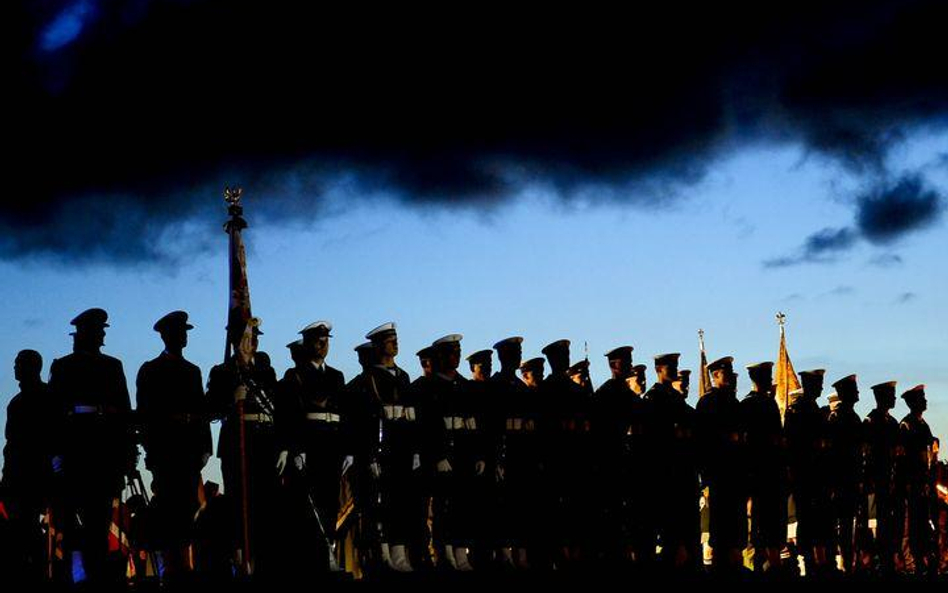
x=520 y=424
x=460 y=423
x=393 y=412
x=322 y=416
x=265 y=418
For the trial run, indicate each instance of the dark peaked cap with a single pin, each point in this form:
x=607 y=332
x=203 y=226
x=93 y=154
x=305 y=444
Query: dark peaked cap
x=725 y=361
x=480 y=357
x=172 y=321
x=94 y=317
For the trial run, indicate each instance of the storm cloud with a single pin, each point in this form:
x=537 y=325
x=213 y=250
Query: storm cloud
x=124 y=116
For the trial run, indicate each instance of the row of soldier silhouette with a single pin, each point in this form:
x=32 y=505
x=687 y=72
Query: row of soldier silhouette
x=444 y=472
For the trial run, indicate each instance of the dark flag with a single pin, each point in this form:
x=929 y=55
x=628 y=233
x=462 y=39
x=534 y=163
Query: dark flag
x=704 y=377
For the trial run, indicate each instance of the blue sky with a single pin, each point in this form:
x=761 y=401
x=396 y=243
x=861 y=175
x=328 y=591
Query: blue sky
x=620 y=272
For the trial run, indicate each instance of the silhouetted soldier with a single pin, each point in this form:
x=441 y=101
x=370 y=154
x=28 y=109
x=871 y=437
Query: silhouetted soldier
x=570 y=456
x=321 y=442
x=26 y=472
x=722 y=457
x=674 y=476
x=393 y=440
x=517 y=459
x=881 y=432
x=917 y=477
x=93 y=445
x=267 y=433
x=763 y=438
x=484 y=401
x=176 y=435
x=619 y=425
x=805 y=426
x=455 y=444
x=638 y=381
x=579 y=374
x=426 y=358
x=526 y=433
x=683 y=384
x=845 y=431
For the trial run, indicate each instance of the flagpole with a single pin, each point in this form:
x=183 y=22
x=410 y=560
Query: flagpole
x=233 y=227
x=781 y=320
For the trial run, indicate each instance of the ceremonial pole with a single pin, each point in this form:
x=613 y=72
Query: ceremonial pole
x=238 y=324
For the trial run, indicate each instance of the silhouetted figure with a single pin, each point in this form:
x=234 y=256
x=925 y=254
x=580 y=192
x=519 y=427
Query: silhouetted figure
x=579 y=374
x=845 y=433
x=456 y=444
x=390 y=435
x=881 y=432
x=518 y=463
x=619 y=426
x=24 y=488
x=176 y=436
x=484 y=403
x=321 y=444
x=570 y=457
x=267 y=432
x=766 y=468
x=723 y=462
x=674 y=476
x=808 y=458
x=917 y=477
x=215 y=532
x=638 y=381
x=683 y=384
x=93 y=447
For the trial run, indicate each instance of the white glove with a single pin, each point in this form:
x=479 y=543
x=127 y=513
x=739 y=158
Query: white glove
x=347 y=463
x=479 y=468
x=240 y=394
x=281 y=462
x=499 y=473
x=205 y=457
x=57 y=464
x=443 y=466
x=299 y=461
x=376 y=469
x=415 y=461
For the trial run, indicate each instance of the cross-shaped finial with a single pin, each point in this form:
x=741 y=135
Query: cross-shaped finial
x=781 y=318
x=232 y=195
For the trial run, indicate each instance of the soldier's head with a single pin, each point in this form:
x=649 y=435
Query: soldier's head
x=173 y=329
x=795 y=396
x=834 y=401
x=89 y=335
x=762 y=376
x=510 y=353
x=620 y=362
x=385 y=340
x=847 y=390
x=557 y=354
x=426 y=358
x=298 y=353
x=915 y=399
x=722 y=373
x=480 y=363
x=885 y=395
x=28 y=366
x=448 y=352
x=639 y=382
x=666 y=367
x=532 y=372
x=812 y=382
x=683 y=383
x=366 y=353
x=579 y=373
x=316 y=339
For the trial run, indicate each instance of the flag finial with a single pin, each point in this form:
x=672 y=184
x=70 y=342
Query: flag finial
x=232 y=195
x=781 y=318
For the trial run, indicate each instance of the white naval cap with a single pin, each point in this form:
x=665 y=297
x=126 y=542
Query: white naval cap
x=381 y=331
x=448 y=339
x=321 y=327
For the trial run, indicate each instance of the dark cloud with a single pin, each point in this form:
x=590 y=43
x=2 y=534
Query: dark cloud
x=119 y=112
x=906 y=297
x=820 y=247
x=886 y=213
x=887 y=260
